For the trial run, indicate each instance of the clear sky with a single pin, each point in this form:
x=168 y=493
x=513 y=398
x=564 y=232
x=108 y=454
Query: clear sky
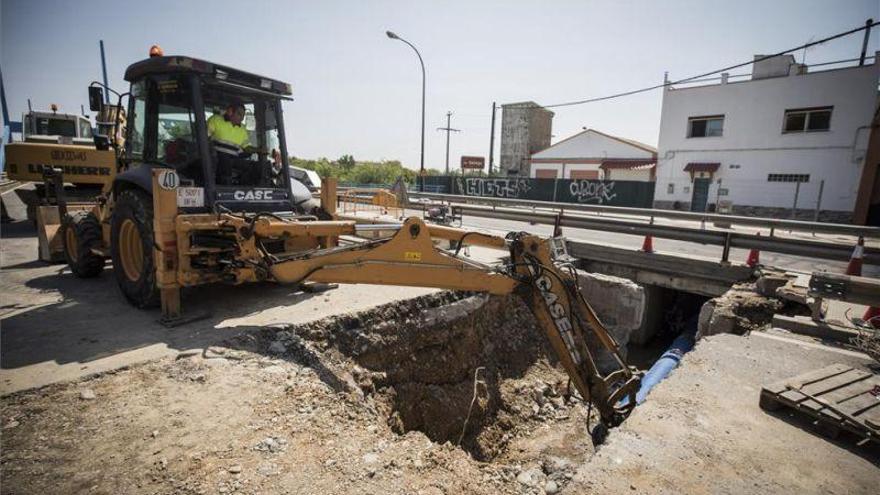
x=358 y=92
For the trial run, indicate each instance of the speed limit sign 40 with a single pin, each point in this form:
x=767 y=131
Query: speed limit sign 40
x=168 y=179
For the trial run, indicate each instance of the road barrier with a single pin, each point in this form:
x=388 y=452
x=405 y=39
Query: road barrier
x=726 y=239
x=652 y=213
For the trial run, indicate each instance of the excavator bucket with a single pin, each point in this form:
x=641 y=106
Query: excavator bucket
x=51 y=244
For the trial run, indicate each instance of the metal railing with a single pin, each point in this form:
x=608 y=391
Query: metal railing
x=651 y=214
x=725 y=239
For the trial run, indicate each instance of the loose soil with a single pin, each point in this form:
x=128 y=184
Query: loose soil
x=446 y=393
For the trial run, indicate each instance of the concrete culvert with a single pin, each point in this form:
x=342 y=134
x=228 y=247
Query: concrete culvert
x=461 y=368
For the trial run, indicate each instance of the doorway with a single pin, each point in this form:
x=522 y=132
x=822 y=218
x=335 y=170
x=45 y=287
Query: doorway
x=700 y=195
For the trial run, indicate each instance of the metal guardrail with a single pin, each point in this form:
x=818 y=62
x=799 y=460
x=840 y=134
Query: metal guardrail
x=726 y=239
x=859 y=290
x=769 y=223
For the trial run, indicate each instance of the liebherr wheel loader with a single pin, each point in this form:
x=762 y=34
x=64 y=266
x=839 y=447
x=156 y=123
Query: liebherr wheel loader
x=184 y=210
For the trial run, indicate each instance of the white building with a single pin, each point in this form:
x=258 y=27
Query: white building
x=595 y=155
x=751 y=146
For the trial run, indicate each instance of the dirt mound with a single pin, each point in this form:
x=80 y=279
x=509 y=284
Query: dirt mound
x=461 y=368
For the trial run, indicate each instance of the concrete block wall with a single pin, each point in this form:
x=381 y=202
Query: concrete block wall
x=620 y=305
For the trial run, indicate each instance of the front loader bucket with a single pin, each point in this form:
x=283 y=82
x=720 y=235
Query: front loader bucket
x=50 y=242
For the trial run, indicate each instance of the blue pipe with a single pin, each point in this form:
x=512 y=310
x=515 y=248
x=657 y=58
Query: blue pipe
x=667 y=362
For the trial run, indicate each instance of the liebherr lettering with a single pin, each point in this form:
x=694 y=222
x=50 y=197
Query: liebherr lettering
x=557 y=312
x=37 y=168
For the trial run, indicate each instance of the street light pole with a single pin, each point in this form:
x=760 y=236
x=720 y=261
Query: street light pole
x=422 y=62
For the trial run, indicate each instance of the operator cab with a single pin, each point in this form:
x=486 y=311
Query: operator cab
x=171 y=101
x=53 y=127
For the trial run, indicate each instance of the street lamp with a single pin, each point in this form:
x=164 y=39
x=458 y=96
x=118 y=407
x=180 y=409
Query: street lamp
x=422 y=62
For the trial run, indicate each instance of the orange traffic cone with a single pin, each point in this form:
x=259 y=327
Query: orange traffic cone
x=872 y=316
x=648 y=244
x=754 y=256
x=854 y=267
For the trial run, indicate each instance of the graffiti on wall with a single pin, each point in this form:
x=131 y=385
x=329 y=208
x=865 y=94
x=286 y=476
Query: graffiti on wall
x=586 y=191
x=494 y=188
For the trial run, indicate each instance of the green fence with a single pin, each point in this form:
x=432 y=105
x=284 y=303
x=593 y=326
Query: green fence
x=636 y=194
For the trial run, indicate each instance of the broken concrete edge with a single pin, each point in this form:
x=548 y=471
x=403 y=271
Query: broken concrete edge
x=84 y=378
x=805 y=325
x=740 y=310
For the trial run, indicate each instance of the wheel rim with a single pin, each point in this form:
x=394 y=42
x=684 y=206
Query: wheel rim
x=70 y=242
x=131 y=250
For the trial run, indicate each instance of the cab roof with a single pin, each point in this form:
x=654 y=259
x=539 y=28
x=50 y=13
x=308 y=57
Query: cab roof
x=182 y=64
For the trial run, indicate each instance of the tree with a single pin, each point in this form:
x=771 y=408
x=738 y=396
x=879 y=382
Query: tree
x=346 y=162
x=350 y=171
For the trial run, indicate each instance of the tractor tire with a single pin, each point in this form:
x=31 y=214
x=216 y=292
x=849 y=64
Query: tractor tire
x=131 y=239
x=81 y=231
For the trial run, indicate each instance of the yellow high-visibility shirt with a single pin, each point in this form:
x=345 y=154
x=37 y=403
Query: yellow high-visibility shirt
x=224 y=130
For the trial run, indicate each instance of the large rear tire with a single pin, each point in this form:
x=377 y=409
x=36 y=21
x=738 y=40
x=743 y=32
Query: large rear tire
x=131 y=235
x=81 y=232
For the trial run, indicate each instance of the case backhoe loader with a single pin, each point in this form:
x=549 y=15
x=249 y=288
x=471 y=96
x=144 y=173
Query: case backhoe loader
x=184 y=210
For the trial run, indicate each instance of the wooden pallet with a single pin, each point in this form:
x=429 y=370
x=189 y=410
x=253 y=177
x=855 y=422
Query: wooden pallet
x=839 y=397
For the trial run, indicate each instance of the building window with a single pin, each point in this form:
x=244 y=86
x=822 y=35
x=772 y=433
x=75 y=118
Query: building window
x=788 y=177
x=723 y=191
x=807 y=119
x=705 y=126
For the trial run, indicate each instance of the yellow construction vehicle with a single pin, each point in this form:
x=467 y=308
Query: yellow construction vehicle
x=58 y=140
x=186 y=210
x=51 y=142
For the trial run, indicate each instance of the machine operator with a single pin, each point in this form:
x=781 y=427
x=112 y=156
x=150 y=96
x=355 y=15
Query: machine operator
x=228 y=127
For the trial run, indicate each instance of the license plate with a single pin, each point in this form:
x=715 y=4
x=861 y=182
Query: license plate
x=190 y=197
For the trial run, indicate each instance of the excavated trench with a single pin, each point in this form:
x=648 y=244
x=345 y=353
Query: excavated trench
x=469 y=369
x=461 y=368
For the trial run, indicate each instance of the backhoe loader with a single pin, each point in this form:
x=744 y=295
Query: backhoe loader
x=185 y=210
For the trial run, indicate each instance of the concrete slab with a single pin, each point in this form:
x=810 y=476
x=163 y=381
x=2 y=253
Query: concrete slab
x=807 y=326
x=701 y=430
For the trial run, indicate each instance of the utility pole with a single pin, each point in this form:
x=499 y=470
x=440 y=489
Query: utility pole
x=492 y=140
x=868 y=25
x=448 y=129
x=104 y=72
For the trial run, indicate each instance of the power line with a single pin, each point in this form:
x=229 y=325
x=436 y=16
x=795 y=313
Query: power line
x=868 y=25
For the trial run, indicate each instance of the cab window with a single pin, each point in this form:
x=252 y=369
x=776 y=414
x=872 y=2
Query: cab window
x=85 y=129
x=138 y=113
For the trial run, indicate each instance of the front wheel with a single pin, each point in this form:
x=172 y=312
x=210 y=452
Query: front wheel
x=81 y=233
x=132 y=242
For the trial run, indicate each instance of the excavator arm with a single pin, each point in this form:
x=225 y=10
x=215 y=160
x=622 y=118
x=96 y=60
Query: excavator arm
x=539 y=270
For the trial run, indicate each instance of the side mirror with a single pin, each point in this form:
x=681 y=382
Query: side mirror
x=96 y=98
x=102 y=142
